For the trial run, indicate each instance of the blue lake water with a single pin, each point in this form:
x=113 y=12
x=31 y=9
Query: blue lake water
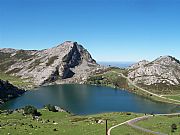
x=87 y=99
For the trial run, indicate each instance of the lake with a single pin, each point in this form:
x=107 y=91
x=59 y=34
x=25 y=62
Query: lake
x=87 y=99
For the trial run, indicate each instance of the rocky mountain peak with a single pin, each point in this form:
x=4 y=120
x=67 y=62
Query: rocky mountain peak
x=67 y=60
x=139 y=64
x=164 y=70
x=166 y=60
x=66 y=44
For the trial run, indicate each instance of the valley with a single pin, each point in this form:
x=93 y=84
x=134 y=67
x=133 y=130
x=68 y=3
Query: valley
x=68 y=76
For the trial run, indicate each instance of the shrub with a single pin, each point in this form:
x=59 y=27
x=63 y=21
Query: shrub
x=55 y=129
x=31 y=110
x=173 y=127
x=51 y=108
x=128 y=113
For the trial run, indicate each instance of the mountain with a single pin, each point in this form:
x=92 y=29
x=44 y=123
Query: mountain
x=162 y=73
x=8 y=91
x=139 y=64
x=68 y=62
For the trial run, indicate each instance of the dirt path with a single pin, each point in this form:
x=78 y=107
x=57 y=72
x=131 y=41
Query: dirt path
x=132 y=121
x=109 y=130
x=159 y=96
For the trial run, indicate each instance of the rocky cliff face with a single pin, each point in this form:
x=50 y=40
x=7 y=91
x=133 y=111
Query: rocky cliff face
x=8 y=91
x=68 y=62
x=164 y=70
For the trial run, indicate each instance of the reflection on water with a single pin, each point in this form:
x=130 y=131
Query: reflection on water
x=86 y=99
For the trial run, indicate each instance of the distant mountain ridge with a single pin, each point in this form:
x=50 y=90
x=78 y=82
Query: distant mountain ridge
x=68 y=62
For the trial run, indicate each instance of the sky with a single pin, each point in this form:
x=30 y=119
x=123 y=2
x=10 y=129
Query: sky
x=111 y=30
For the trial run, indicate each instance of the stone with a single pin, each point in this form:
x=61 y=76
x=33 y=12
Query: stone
x=68 y=62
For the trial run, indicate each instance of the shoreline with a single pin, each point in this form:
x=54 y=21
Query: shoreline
x=119 y=88
x=133 y=88
x=139 y=94
x=112 y=111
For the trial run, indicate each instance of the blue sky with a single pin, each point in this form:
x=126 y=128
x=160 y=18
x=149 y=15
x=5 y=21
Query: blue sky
x=112 y=30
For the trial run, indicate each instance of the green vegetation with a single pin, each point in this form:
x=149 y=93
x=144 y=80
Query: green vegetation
x=109 y=78
x=15 y=80
x=5 y=64
x=116 y=78
x=51 y=60
x=34 y=64
x=4 y=56
x=173 y=127
x=65 y=124
x=161 y=88
x=15 y=70
x=50 y=108
x=175 y=97
x=127 y=130
x=6 y=60
x=31 y=110
x=22 y=54
x=113 y=78
x=164 y=124
x=59 y=123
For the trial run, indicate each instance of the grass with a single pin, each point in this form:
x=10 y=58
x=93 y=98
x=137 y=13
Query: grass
x=127 y=130
x=63 y=123
x=112 y=78
x=6 y=60
x=157 y=123
x=161 y=124
x=15 y=80
x=109 y=78
x=162 y=88
x=22 y=54
x=175 y=97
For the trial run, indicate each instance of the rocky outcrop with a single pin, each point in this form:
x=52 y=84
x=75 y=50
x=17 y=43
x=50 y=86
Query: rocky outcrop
x=164 y=70
x=66 y=63
x=139 y=64
x=8 y=91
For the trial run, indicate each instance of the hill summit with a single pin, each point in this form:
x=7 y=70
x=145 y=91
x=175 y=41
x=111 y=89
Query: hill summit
x=69 y=62
x=162 y=72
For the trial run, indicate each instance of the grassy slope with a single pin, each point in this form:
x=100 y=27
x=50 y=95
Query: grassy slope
x=6 y=61
x=161 y=124
x=158 y=123
x=112 y=78
x=16 y=81
x=127 y=130
x=174 y=97
x=109 y=78
x=67 y=124
x=162 y=89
